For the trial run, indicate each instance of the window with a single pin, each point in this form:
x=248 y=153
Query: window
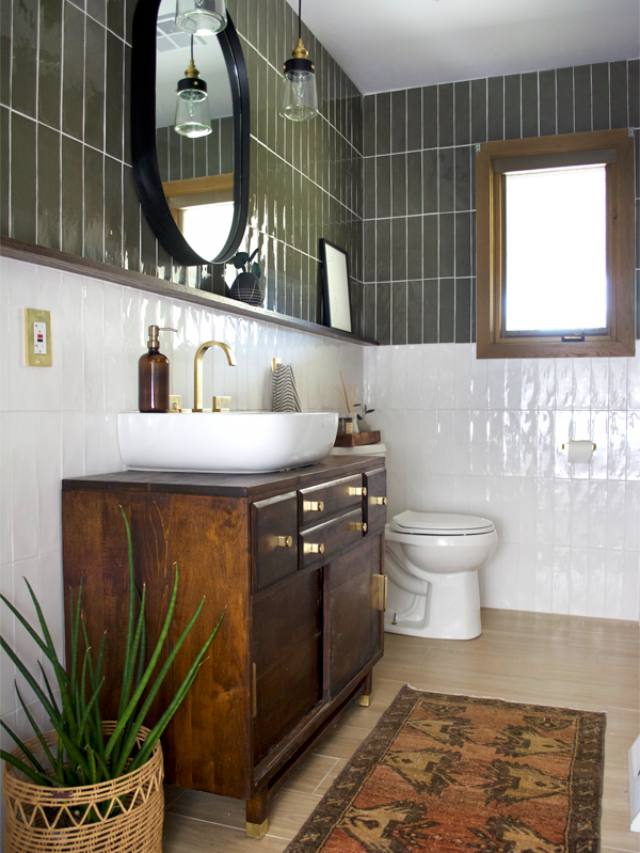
x=203 y=210
x=556 y=246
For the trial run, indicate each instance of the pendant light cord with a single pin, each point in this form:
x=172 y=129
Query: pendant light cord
x=192 y=48
x=299 y=19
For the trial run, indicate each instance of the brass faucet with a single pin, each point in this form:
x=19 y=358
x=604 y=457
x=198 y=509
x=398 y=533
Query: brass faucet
x=197 y=370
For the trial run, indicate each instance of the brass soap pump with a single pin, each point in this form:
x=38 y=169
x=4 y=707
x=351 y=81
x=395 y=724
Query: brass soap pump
x=153 y=374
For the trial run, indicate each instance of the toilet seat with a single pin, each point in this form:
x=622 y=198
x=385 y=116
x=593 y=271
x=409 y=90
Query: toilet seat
x=440 y=524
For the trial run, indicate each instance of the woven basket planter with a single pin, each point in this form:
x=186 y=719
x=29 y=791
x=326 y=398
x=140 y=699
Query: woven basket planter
x=121 y=816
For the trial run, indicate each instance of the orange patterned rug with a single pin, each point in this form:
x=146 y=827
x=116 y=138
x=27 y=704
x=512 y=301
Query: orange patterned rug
x=456 y=774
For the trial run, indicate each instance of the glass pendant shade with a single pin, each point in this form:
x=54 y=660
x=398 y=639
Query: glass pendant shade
x=201 y=17
x=300 y=94
x=192 y=106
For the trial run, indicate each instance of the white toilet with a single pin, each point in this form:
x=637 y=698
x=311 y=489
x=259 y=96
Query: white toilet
x=432 y=562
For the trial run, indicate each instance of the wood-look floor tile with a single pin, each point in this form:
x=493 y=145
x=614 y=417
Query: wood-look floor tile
x=311 y=774
x=224 y=811
x=186 y=835
x=288 y=811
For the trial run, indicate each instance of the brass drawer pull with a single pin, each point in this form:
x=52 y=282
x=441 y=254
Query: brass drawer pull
x=313 y=506
x=284 y=541
x=358 y=525
x=313 y=548
x=357 y=490
x=374 y=501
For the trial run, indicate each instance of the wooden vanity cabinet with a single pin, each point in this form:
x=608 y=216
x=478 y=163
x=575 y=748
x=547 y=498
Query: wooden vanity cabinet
x=296 y=558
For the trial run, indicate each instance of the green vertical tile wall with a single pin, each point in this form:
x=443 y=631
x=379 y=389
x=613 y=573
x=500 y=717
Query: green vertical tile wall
x=420 y=199
x=65 y=81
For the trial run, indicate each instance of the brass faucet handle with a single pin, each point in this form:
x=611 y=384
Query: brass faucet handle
x=220 y=404
x=175 y=403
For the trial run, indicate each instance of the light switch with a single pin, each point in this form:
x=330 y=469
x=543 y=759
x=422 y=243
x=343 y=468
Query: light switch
x=38 y=337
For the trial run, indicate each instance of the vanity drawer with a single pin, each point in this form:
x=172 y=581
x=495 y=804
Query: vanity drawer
x=319 y=543
x=275 y=538
x=325 y=500
x=376 y=500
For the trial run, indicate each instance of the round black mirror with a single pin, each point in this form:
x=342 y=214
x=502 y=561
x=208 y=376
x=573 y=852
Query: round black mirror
x=190 y=154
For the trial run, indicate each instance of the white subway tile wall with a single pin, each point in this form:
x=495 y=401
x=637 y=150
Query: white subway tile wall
x=61 y=421
x=485 y=437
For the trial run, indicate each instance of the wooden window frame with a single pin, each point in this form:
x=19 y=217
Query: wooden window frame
x=491 y=243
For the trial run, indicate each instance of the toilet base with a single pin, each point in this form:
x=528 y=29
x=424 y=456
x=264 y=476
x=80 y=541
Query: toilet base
x=449 y=611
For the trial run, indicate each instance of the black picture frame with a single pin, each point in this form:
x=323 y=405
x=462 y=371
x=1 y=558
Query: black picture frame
x=336 y=288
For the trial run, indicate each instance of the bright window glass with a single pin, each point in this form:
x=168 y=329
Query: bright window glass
x=206 y=227
x=556 y=258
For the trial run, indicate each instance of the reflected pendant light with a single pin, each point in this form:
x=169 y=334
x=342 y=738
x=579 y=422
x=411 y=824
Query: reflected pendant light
x=192 y=106
x=300 y=95
x=201 y=17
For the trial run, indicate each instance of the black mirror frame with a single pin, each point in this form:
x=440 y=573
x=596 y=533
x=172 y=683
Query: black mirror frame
x=146 y=172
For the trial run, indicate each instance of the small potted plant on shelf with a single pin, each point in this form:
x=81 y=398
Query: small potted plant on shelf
x=246 y=287
x=90 y=784
x=363 y=425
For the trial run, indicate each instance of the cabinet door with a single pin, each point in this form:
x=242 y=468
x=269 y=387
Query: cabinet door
x=354 y=625
x=287 y=654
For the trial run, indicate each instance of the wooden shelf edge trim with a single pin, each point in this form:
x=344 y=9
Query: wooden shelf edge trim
x=43 y=256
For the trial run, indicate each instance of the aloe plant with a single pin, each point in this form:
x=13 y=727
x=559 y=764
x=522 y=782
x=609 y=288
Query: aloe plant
x=83 y=756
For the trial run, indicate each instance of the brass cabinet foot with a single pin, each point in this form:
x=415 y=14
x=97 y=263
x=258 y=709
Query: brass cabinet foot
x=258 y=830
x=365 y=701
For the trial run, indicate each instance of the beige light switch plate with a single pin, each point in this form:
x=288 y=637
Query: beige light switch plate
x=37 y=337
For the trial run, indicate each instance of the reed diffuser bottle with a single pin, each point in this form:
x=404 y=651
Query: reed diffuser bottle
x=153 y=375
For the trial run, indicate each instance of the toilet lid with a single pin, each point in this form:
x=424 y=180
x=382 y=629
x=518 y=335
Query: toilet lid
x=440 y=523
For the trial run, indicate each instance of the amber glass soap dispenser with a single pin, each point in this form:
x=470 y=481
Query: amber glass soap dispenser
x=153 y=375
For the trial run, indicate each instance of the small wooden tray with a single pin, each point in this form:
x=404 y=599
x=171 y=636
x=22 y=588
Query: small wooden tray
x=358 y=438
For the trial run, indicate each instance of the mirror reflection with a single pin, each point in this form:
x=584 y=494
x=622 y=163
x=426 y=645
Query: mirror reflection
x=194 y=133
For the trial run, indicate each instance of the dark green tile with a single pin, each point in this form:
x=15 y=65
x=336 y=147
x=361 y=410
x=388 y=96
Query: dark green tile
x=530 y=105
x=512 y=107
x=370 y=311
x=115 y=17
x=445 y=114
x=369 y=189
x=213 y=150
x=446 y=311
x=149 y=252
x=600 y=83
x=478 y=110
x=399 y=121
x=399 y=185
x=414 y=312
x=634 y=93
x=73 y=71
x=49 y=191
x=430 y=242
x=97 y=9
x=112 y=212
x=383 y=250
x=127 y=106
x=414 y=182
x=618 y=94
x=4 y=171
x=130 y=7
x=495 y=87
x=383 y=186
x=23 y=179
x=383 y=123
x=414 y=247
x=6 y=23
x=445 y=179
x=370 y=251
x=566 y=103
x=93 y=205
x=399 y=313
x=114 y=108
x=357 y=308
x=165 y=271
x=463 y=178
x=50 y=62
x=548 y=105
x=296 y=279
x=25 y=39
x=72 y=196
x=281 y=279
x=446 y=245
x=430 y=312
x=263 y=26
x=187 y=156
x=200 y=169
x=369 y=125
x=399 y=249
x=94 y=88
x=473 y=311
x=383 y=314
x=462 y=113
x=583 y=97
x=414 y=119
x=358 y=123
x=430 y=181
x=131 y=222
x=463 y=244
x=430 y=117
x=463 y=311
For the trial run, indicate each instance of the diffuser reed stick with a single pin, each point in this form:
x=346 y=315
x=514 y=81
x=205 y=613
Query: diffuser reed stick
x=346 y=397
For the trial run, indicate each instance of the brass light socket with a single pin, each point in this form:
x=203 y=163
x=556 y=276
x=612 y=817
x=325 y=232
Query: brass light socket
x=300 y=51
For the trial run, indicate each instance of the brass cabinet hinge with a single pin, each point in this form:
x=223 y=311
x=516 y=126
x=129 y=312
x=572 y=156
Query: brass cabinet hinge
x=379 y=592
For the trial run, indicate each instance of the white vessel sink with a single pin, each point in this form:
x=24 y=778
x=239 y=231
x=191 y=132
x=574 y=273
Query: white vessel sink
x=225 y=442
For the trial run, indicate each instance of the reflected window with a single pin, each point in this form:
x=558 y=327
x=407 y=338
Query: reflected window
x=206 y=226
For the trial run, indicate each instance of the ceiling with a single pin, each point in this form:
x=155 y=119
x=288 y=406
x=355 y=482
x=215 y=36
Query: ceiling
x=397 y=44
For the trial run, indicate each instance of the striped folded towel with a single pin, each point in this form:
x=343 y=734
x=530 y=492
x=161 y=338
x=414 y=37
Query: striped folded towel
x=284 y=394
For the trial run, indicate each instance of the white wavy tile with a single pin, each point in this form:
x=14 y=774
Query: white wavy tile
x=52 y=601
x=632 y=516
x=562 y=513
x=561 y=576
x=546 y=383
x=6 y=487
x=478 y=388
x=428 y=442
x=579 y=513
x=478 y=442
x=582 y=383
x=113 y=349
x=580 y=431
x=596 y=582
x=633 y=446
x=614 y=585
x=526 y=578
x=527 y=511
x=48 y=452
x=616 y=516
x=444 y=445
x=71 y=345
x=545 y=443
x=564 y=383
x=429 y=376
x=513 y=384
x=598 y=503
x=445 y=375
x=578 y=581
x=617 y=447
x=511 y=493
x=543 y=601
x=618 y=371
x=496 y=383
x=631 y=586
x=94 y=440
x=461 y=451
x=24 y=646
x=530 y=390
x=72 y=444
x=22 y=438
x=599 y=383
x=402 y=393
x=633 y=379
x=545 y=511
x=462 y=376
x=600 y=436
